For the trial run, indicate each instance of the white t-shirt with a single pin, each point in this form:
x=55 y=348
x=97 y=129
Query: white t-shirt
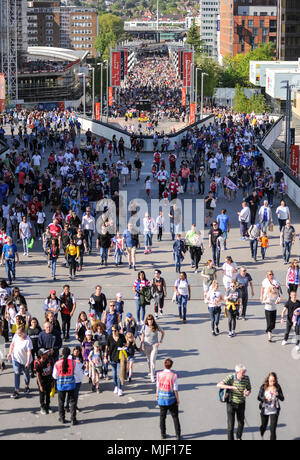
x=213 y=298
x=25 y=229
x=21 y=348
x=182 y=287
x=282 y=212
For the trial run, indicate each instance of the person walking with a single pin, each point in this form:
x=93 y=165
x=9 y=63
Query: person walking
x=64 y=374
x=115 y=341
x=287 y=239
x=131 y=241
x=244 y=218
x=68 y=306
x=271 y=300
x=43 y=368
x=289 y=308
x=9 y=256
x=224 y=224
x=239 y=386
x=178 y=252
x=53 y=254
x=149 y=228
x=151 y=342
x=292 y=277
x=265 y=216
x=88 y=227
x=232 y=307
x=214 y=242
x=159 y=292
x=243 y=279
x=182 y=289
x=167 y=398
x=270 y=393
x=214 y=300
x=229 y=271
x=141 y=284
x=254 y=235
x=72 y=255
x=25 y=233
x=283 y=214
x=20 y=354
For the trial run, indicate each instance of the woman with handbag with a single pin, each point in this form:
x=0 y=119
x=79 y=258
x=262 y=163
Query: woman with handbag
x=151 y=343
x=269 y=395
x=139 y=286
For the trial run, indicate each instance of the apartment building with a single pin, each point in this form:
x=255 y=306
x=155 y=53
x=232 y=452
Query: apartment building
x=288 y=31
x=246 y=23
x=52 y=23
x=209 y=16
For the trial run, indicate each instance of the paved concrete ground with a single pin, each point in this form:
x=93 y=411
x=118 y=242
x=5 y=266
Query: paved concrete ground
x=200 y=359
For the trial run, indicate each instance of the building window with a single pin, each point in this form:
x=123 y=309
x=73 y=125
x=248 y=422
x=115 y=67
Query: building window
x=250 y=22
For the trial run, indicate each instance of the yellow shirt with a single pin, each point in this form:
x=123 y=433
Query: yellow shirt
x=72 y=250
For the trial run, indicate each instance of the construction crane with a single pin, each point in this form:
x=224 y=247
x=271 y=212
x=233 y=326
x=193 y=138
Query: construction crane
x=9 y=46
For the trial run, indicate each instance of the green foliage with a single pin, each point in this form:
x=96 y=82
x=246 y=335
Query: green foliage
x=242 y=103
x=236 y=69
x=193 y=38
x=111 y=30
x=213 y=69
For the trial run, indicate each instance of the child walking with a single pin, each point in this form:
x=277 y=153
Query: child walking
x=264 y=243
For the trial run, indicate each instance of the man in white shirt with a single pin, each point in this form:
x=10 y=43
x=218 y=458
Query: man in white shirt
x=244 y=218
x=88 y=227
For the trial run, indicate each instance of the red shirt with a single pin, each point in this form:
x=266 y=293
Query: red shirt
x=55 y=230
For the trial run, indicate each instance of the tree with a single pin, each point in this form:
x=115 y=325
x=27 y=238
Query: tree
x=193 y=38
x=111 y=30
x=213 y=69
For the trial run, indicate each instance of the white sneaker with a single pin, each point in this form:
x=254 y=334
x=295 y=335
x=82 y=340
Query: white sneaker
x=284 y=342
x=120 y=392
x=24 y=253
x=116 y=390
x=297 y=347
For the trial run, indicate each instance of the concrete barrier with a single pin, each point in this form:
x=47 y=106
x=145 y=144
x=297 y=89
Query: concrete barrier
x=107 y=131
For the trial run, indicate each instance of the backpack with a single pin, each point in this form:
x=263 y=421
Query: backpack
x=225 y=395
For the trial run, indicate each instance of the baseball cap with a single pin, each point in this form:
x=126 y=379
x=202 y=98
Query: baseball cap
x=88 y=333
x=42 y=351
x=52 y=292
x=129 y=315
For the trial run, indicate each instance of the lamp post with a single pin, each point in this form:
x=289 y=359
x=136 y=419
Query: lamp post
x=106 y=90
x=196 y=91
x=201 y=112
x=101 y=91
x=93 y=92
x=83 y=76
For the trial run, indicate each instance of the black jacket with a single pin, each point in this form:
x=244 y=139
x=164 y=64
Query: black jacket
x=261 y=398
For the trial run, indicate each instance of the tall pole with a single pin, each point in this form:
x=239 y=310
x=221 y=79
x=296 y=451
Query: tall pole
x=287 y=123
x=101 y=89
x=84 y=111
x=196 y=91
x=201 y=111
x=93 y=94
x=106 y=90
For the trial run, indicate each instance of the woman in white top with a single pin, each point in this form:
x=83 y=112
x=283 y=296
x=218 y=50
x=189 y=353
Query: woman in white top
x=149 y=228
x=283 y=214
x=182 y=289
x=230 y=271
x=267 y=282
x=214 y=299
x=271 y=300
x=20 y=354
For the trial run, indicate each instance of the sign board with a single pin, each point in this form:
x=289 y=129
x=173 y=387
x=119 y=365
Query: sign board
x=257 y=70
x=110 y=96
x=274 y=79
x=192 y=113
x=61 y=106
x=187 y=68
x=2 y=92
x=115 y=68
x=294 y=162
x=183 y=96
x=97 y=110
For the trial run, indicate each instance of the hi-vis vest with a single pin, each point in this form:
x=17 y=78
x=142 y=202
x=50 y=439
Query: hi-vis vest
x=166 y=394
x=65 y=382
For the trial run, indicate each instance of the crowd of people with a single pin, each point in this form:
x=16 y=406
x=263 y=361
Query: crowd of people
x=50 y=183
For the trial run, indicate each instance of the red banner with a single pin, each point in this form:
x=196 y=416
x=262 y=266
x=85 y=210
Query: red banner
x=183 y=96
x=2 y=92
x=110 y=96
x=294 y=164
x=61 y=106
x=192 y=113
x=125 y=62
x=97 y=110
x=187 y=67
x=115 y=68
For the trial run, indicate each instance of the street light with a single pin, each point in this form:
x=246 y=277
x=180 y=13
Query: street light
x=84 y=76
x=93 y=92
x=196 y=91
x=106 y=90
x=101 y=91
x=201 y=112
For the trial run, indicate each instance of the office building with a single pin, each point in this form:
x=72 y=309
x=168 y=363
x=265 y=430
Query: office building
x=209 y=26
x=288 y=30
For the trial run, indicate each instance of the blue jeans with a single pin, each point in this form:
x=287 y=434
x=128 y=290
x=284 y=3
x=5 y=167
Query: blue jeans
x=116 y=374
x=148 y=239
x=104 y=254
x=53 y=266
x=89 y=238
x=140 y=308
x=177 y=260
x=118 y=256
x=214 y=313
x=25 y=242
x=182 y=304
x=263 y=252
x=216 y=253
x=253 y=247
x=10 y=267
x=18 y=369
x=286 y=250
